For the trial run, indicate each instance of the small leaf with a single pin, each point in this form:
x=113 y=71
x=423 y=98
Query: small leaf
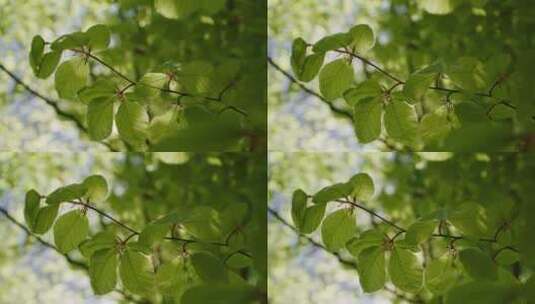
x=31 y=208
x=99 y=37
x=45 y=218
x=312 y=219
x=362 y=187
x=311 y=67
x=338 y=228
x=367 y=115
x=436 y=125
x=209 y=268
x=70 y=41
x=362 y=38
x=136 y=272
x=401 y=121
x=132 y=122
x=299 y=204
x=371 y=269
x=440 y=275
x=101 y=240
x=419 y=232
x=331 y=42
x=297 y=59
x=97 y=188
x=103 y=271
x=36 y=52
x=365 y=89
x=367 y=239
x=100 y=118
x=152 y=233
x=71 y=76
x=173 y=9
x=100 y=88
x=67 y=193
x=332 y=192
x=404 y=270
x=48 y=64
x=70 y=230
x=335 y=78
x=417 y=85
x=478 y=264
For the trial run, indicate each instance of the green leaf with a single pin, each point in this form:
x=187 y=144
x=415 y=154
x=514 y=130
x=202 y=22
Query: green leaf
x=97 y=188
x=312 y=219
x=71 y=76
x=436 y=125
x=362 y=38
x=362 y=187
x=36 y=52
x=470 y=219
x=437 y=7
x=401 y=121
x=468 y=73
x=70 y=41
x=501 y=112
x=478 y=264
x=365 y=89
x=335 y=78
x=481 y=293
x=367 y=115
x=338 y=228
x=419 y=232
x=100 y=88
x=150 y=85
x=311 y=67
x=45 y=218
x=404 y=270
x=99 y=37
x=219 y=294
x=297 y=59
x=132 y=122
x=367 y=239
x=440 y=275
x=136 y=272
x=48 y=64
x=299 y=204
x=103 y=271
x=70 y=230
x=332 y=192
x=100 y=241
x=66 y=193
x=507 y=257
x=164 y=126
x=212 y=6
x=195 y=77
x=331 y=42
x=31 y=208
x=153 y=233
x=100 y=118
x=209 y=268
x=371 y=269
x=417 y=85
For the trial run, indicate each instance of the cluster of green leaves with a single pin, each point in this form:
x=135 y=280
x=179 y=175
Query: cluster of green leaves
x=468 y=102
x=176 y=101
x=458 y=251
x=193 y=253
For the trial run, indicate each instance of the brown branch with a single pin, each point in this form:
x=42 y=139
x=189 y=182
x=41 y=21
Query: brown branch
x=53 y=103
x=166 y=90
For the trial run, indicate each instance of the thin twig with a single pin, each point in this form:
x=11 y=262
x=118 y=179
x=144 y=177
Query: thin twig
x=53 y=103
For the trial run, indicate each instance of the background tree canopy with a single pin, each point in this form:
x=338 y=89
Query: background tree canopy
x=398 y=229
x=407 y=75
x=160 y=75
x=142 y=228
